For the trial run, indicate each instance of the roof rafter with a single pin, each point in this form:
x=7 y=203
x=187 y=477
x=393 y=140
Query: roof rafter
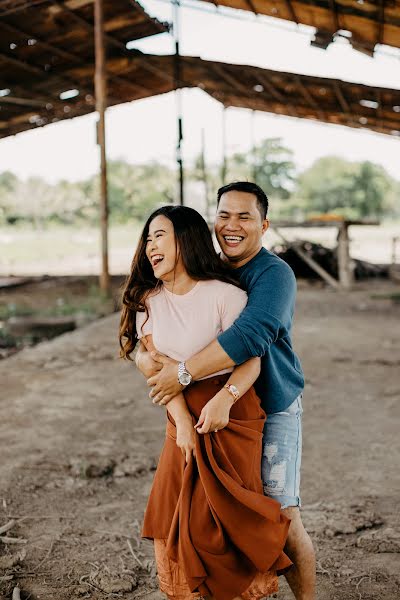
x=381 y=21
x=335 y=16
x=307 y=96
x=290 y=8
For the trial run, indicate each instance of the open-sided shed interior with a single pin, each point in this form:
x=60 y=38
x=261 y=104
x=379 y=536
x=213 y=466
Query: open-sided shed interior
x=364 y=22
x=47 y=57
x=138 y=75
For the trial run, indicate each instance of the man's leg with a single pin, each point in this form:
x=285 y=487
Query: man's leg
x=281 y=462
x=299 y=548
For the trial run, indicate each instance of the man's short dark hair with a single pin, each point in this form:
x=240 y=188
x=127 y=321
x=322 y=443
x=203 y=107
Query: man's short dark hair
x=249 y=188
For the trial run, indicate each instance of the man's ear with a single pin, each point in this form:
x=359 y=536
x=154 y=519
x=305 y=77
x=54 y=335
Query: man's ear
x=265 y=225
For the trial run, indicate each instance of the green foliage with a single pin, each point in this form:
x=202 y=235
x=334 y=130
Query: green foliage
x=270 y=165
x=351 y=189
x=134 y=191
x=331 y=184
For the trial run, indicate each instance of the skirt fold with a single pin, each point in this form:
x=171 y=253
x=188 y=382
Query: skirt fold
x=218 y=527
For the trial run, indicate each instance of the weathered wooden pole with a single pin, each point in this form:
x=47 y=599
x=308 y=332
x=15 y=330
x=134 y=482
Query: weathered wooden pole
x=101 y=104
x=178 y=92
x=204 y=176
x=253 y=146
x=224 y=165
x=343 y=255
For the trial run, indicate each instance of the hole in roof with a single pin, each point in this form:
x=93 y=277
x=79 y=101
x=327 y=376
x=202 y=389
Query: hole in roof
x=322 y=91
x=396 y=108
x=32 y=42
x=6 y=91
x=49 y=106
x=363 y=120
x=258 y=88
x=67 y=94
x=13 y=46
x=34 y=118
x=369 y=103
x=67 y=109
x=345 y=33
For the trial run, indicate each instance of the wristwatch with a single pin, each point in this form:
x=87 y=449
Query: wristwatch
x=184 y=377
x=232 y=389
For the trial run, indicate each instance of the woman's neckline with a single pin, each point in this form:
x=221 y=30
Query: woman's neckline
x=189 y=293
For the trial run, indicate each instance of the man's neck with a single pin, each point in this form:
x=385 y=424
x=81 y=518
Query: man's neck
x=236 y=264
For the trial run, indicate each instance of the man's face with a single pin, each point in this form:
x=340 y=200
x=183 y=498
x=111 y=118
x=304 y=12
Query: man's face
x=239 y=227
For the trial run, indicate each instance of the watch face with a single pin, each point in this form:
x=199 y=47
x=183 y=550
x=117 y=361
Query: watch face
x=185 y=378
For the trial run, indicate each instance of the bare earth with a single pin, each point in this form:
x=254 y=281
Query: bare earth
x=80 y=440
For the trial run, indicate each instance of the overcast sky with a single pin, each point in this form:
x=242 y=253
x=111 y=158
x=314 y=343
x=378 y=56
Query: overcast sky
x=146 y=130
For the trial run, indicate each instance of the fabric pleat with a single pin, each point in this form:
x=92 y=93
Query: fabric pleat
x=219 y=527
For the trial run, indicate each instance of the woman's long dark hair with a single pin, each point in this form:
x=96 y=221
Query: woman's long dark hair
x=201 y=262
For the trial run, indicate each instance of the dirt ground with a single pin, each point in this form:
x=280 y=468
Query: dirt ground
x=80 y=441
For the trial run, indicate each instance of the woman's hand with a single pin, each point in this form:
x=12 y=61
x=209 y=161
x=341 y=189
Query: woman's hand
x=186 y=438
x=215 y=414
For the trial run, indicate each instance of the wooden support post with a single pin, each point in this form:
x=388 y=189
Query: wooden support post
x=101 y=103
x=224 y=165
x=253 y=147
x=343 y=255
x=178 y=92
x=204 y=177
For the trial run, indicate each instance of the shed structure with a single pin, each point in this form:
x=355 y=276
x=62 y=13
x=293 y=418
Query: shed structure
x=53 y=66
x=364 y=23
x=37 y=103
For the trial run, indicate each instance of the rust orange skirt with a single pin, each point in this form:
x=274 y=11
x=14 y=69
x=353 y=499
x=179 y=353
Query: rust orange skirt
x=210 y=517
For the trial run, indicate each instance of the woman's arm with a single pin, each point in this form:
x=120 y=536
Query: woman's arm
x=177 y=408
x=145 y=363
x=215 y=414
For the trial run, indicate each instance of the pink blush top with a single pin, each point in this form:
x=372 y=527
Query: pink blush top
x=182 y=325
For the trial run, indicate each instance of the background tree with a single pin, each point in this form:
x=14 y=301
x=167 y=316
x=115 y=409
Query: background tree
x=352 y=189
x=270 y=165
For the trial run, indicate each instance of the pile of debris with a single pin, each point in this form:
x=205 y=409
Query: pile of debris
x=327 y=259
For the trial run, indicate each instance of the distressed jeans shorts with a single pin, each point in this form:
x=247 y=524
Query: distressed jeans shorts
x=281 y=460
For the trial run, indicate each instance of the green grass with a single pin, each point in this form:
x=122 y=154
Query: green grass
x=22 y=244
x=393 y=296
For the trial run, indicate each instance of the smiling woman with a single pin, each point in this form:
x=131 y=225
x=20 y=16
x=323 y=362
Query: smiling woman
x=206 y=513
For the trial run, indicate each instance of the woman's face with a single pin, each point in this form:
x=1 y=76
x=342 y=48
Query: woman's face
x=161 y=249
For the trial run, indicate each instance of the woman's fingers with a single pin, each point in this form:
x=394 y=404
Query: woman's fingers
x=200 y=421
x=205 y=428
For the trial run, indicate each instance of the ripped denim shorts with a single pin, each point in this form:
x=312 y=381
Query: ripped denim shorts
x=281 y=458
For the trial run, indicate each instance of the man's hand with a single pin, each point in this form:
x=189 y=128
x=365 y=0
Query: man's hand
x=215 y=414
x=146 y=363
x=164 y=384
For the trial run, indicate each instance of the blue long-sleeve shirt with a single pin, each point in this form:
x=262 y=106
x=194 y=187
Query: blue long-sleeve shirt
x=264 y=329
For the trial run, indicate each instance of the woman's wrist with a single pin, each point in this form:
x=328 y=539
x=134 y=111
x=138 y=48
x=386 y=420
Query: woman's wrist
x=184 y=419
x=226 y=397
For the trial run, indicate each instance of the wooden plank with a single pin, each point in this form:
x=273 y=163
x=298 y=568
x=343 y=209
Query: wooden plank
x=308 y=260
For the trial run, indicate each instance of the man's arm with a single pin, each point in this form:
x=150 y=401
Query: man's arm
x=270 y=304
x=211 y=359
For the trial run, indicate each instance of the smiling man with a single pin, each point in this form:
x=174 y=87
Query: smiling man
x=263 y=329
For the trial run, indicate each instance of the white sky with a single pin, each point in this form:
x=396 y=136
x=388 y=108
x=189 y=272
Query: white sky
x=146 y=130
